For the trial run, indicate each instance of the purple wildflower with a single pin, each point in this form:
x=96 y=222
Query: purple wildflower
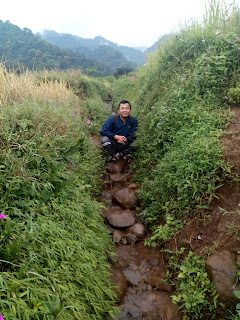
x=2 y=216
x=1 y=317
x=152 y=107
x=73 y=116
x=226 y=97
x=88 y=122
x=217 y=32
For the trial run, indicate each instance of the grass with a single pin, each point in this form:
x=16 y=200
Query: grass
x=53 y=248
x=182 y=99
x=179 y=160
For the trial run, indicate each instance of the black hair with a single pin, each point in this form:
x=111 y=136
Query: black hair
x=123 y=102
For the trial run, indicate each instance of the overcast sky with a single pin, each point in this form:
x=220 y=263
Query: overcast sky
x=125 y=22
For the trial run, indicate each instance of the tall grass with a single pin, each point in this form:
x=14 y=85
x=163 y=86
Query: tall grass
x=53 y=247
x=181 y=97
x=180 y=159
x=18 y=88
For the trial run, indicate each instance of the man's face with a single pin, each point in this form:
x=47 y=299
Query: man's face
x=124 y=110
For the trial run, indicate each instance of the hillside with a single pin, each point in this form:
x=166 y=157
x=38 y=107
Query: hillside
x=156 y=44
x=53 y=246
x=90 y=47
x=187 y=163
x=22 y=48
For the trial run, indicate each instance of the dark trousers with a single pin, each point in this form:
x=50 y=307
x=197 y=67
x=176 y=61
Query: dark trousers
x=113 y=147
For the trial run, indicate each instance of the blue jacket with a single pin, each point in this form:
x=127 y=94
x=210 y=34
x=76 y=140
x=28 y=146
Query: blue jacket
x=115 y=126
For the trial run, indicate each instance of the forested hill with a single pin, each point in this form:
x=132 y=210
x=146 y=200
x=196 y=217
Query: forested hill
x=99 y=47
x=22 y=47
x=156 y=44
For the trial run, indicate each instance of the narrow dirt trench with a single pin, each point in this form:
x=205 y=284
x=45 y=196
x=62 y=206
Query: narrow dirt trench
x=139 y=271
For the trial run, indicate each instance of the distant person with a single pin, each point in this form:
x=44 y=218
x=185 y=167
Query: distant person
x=119 y=132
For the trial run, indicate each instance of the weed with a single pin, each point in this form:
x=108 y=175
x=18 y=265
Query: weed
x=194 y=291
x=165 y=232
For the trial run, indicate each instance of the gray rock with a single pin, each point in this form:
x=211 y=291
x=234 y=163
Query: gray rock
x=222 y=270
x=133 y=186
x=156 y=278
x=121 y=220
x=155 y=305
x=107 y=197
x=138 y=229
x=115 y=167
x=125 y=197
x=117 y=236
x=119 y=280
x=131 y=238
x=120 y=177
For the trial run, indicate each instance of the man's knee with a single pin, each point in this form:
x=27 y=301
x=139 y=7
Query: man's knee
x=105 y=141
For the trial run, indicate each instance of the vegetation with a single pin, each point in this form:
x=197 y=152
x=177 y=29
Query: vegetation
x=192 y=287
x=90 y=48
x=53 y=247
x=21 y=48
x=181 y=99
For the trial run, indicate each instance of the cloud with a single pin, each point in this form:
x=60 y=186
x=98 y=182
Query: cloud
x=124 y=22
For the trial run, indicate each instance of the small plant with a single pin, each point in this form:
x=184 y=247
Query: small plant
x=234 y=94
x=165 y=232
x=236 y=316
x=194 y=291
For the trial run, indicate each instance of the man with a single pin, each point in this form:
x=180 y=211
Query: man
x=119 y=132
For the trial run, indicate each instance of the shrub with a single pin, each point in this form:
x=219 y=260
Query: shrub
x=194 y=290
x=234 y=94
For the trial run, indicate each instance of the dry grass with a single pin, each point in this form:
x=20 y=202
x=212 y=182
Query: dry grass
x=19 y=88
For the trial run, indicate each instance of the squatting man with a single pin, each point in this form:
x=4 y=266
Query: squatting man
x=119 y=133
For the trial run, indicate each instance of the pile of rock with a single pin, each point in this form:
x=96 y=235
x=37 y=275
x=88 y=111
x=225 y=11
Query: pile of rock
x=139 y=271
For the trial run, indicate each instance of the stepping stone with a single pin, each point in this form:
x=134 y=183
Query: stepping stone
x=121 y=177
x=115 y=167
x=120 y=282
x=121 y=220
x=125 y=197
x=117 y=236
x=138 y=230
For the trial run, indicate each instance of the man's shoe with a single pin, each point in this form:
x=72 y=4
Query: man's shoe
x=128 y=159
x=113 y=159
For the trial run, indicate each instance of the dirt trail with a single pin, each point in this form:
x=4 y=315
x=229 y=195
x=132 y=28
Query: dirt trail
x=140 y=271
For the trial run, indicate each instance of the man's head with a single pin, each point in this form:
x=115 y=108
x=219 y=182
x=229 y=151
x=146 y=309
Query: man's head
x=124 y=109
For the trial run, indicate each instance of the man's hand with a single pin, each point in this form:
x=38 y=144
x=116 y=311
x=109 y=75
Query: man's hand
x=120 y=139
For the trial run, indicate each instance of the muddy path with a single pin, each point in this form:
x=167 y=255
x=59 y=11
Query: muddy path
x=138 y=271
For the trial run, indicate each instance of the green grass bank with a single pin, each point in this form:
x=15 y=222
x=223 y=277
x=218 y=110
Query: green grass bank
x=53 y=247
x=182 y=98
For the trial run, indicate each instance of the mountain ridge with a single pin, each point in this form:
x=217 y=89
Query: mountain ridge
x=52 y=50
x=79 y=44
